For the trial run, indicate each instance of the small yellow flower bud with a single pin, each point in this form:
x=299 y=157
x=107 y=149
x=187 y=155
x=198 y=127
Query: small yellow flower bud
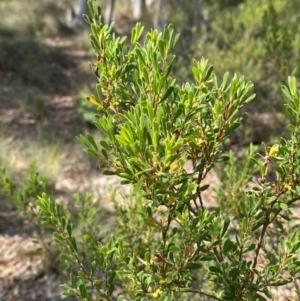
x=287 y=186
x=274 y=150
x=157 y=293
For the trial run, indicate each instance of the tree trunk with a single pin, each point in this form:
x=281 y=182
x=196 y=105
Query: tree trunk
x=161 y=16
x=138 y=8
x=109 y=11
x=75 y=15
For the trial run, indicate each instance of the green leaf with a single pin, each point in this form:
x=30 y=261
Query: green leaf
x=104 y=153
x=110 y=289
x=249 y=246
x=73 y=243
x=141 y=57
x=261 y=298
x=91 y=8
x=92 y=152
x=290 y=111
x=268 y=293
x=215 y=270
x=296 y=103
x=58 y=237
x=175 y=249
x=294 y=265
x=292 y=85
x=208 y=257
x=225 y=78
x=120 y=298
x=109 y=172
x=195 y=265
x=147 y=257
x=95 y=44
x=137 y=186
x=208 y=73
x=70 y=292
x=167 y=94
x=161 y=47
x=69 y=229
x=285 y=90
x=234 y=273
x=249 y=98
x=112 y=276
x=232 y=127
x=223 y=158
x=225 y=227
x=93 y=267
x=204 y=187
x=291 y=128
x=125 y=182
x=83 y=291
x=255 y=162
x=94 y=29
x=87 y=19
x=68 y=258
x=284 y=206
x=83 y=255
x=104 y=144
x=228 y=245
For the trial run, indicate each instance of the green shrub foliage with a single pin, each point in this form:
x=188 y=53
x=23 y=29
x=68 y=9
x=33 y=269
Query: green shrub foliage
x=167 y=245
x=258 y=39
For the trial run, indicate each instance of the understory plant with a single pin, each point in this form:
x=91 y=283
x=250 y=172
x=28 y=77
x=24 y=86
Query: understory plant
x=23 y=194
x=164 y=139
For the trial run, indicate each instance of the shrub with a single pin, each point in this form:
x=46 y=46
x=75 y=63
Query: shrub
x=266 y=50
x=23 y=195
x=167 y=244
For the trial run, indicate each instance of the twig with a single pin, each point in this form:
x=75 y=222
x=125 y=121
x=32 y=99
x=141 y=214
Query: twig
x=200 y=292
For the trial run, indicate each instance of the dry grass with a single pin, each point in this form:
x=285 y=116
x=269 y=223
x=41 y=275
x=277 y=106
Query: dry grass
x=40 y=66
x=16 y=156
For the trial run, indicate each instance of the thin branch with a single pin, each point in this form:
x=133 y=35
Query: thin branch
x=260 y=242
x=264 y=229
x=200 y=292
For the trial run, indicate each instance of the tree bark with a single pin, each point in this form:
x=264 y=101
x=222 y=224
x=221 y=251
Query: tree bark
x=109 y=11
x=161 y=16
x=138 y=8
x=75 y=15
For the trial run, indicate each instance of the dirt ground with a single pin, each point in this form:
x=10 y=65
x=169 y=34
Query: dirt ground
x=35 y=102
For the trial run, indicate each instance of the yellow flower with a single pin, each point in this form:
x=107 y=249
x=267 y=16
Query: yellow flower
x=274 y=150
x=157 y=293
x=287 y=186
